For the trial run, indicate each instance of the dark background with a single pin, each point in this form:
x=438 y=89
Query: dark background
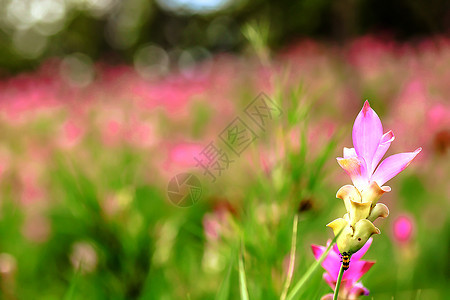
x=114 y=30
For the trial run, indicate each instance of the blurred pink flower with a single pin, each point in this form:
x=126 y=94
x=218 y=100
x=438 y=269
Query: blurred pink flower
x=141 y=133
x=370 y=145
x=5 y=160
x=36 y=228
x=438 y=116
x=71 y=134
x=112 y=132
x=216 y=223
x=269 y=157
x=371 y=56
x=319 y=134
x=8 y=264
x=84 y=257
x=31 y=189
x=350 y=287
x=212 y=226
x=182 y=155
x=403 y=229
x=438 y=123
x=173 y=93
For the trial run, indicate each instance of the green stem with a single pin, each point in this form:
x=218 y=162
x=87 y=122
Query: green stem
x=290 y=272
x=338 y=283
x=299 y=285
x=242 y=277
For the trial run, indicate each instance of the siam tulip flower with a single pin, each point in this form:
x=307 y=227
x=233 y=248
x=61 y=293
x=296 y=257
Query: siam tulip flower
x=403 y=229
x=350 y=287
x=370 y=145
x=368 y=176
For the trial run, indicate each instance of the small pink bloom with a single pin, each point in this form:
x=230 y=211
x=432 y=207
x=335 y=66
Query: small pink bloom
x=84 y=257
x=141 y=134
x=71 y=134
x=212 y=226
x=31 y=191
x=173 y=93
x=216 y=224
x=370 y=144
x=403 y=228
x=112 y=132
x=36 y=228
x=182 y=155
x=332 y=263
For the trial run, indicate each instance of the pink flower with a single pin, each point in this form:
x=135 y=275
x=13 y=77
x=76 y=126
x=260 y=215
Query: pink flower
x=71 y=134
x=112 y=132
x=350 y=287
x=370 y=144
x=217 y=223
x=403 y=228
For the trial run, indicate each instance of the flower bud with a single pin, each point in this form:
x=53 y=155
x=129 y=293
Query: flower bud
x=351 y=239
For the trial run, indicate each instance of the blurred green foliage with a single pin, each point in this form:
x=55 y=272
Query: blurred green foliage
x=146 y=248
x=92 y=221
x=114 y=30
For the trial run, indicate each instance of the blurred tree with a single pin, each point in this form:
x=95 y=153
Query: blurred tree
x=114 y=30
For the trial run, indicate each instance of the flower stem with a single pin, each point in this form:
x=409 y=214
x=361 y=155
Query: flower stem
x=287 y=283
x=299 y=285
x=338 y=283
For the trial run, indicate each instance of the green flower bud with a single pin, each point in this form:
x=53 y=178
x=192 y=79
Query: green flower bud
x=352 y=238
x=379 y=211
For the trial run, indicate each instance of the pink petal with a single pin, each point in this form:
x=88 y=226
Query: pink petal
x=359 y=290
x=393 y=165
x=349 y=152
x=360 y=253
x=356 y=270
x=356 y=169
x=331 y=263
x=367 y=132
x=317 y=251
x=336 y=249
x=327 y=297
x=385 y=142
x=330 y=280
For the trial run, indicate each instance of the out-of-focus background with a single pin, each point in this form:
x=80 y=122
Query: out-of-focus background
x=107 y=106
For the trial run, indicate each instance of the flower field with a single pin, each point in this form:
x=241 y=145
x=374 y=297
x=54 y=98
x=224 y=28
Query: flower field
x=92 y=207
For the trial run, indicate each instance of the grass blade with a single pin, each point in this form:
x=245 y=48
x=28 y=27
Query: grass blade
x=299 y=285
x=70 y=294
x=224 y=289
x=242 y=277
x=287 y=283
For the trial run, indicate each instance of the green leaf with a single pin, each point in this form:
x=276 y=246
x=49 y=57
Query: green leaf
x=224 y=289
x=299 y=285
x=242 y=277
